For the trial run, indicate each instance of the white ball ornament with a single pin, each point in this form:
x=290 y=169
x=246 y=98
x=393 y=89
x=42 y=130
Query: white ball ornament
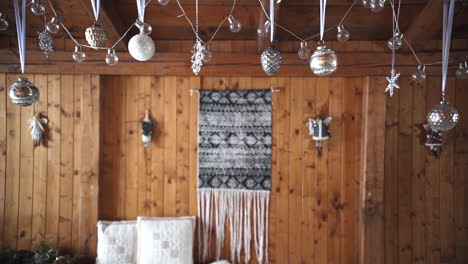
x=141 y=47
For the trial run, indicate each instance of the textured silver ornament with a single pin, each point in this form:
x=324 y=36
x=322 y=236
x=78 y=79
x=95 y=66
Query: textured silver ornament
x=323 y=61
x=392 y=82
x=197 y=56
x=23 y=92
x=271 y=60
x=141 y=47
x=442 y=117
x=46 y=42
x=96 y=36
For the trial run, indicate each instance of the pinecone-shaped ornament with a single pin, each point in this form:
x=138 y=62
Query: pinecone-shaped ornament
x=271 y=60
x=96 y=36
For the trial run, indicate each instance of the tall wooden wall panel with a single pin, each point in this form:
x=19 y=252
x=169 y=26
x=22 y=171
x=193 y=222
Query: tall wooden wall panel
x=425 y=196
x=44 y=194
x=313 y=210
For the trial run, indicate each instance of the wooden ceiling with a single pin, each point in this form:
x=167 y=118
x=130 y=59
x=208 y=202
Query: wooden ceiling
x=421 y=17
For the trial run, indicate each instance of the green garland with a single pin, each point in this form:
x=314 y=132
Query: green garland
x=41 y=254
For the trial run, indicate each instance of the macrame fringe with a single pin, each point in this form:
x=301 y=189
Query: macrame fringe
x=234 y=207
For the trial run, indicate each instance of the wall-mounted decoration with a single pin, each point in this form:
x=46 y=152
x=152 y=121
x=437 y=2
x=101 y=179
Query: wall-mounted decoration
x=319 y=130
x=433 y=139
x=147 y=129
x=37 y=128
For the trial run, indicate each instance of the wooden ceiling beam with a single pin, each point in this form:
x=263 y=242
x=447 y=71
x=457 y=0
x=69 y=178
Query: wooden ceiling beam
x=110 y=21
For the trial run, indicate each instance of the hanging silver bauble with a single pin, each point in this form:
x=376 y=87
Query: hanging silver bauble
x=271 y=60
x=23 y=92
x=442 y=117
x=46 y=42
x=323 y=61
x=197 y=56
x=96 y=36
x=141 y=47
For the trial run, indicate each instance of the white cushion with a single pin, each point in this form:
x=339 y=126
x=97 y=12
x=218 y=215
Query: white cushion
x=117 y=242
x=165 y=240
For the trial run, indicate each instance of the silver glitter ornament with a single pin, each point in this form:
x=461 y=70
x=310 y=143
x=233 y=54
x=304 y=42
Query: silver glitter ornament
x=23 y=92
x=198 y=51
x=442 y=117
x=271 y=60
x=46 y=42
x=141 y=47
x=96 y=36
x=323 y=61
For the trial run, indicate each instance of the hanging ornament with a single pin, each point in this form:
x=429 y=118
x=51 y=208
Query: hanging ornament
x=111 y=58
x=163 y=2
x=394 y=43
x=234 y=24
x=304 y=51
x=462 y=71
x=271 y=60
x=3 y=22
x=420 y=74
x=319 y=130
x=197 y=56
x=145 y=28
x=37 y=8
x=433 y=139
x=141 y=47
x=393 y=78
x=53 y=25
x=343 y=33
x=392 y=82
x=79 y=55
x=23 y=92
x=96 y=36
x=207 y=54
x=147 y=129
x=366 y=3
x=46 y=42
x=37 y=128
x=264 y=29
x=444 y=116
x=377 y=5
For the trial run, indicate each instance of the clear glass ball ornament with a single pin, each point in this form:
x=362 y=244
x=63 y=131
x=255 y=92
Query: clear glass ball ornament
x=442 y=117
x=323 y=61
x=304 y=51
x=163 y=2
x=96 y=36
x=145 y=28
x=23 y=92
x=111 y=57
x=395 y=42
x=141 y=47
x=78 y=55
x=420 y=74
x=264 y=29
x=366 y=3
x=37 y=8
x=377 y=5
x=234 y=24
x=271 y=60
x=3 y=22
x=462 y=71
x=207 y=54
x=53 y=25
x=343 y=34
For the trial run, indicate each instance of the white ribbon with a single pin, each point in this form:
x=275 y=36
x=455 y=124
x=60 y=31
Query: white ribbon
x=446 y=37
x=272 y=20
x=96 y=4
x=141 y=10
x=323 y=6
x=21 y=31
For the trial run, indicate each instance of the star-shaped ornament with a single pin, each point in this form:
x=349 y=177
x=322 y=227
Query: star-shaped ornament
x=392 y=82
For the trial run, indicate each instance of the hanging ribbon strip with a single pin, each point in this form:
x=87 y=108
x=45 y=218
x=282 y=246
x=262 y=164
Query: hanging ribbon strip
x=393 y=78
x=96 y=4
x=21 y=30
x=446 y=37
x=323 y=6
x=272 y=20
x=141 y=10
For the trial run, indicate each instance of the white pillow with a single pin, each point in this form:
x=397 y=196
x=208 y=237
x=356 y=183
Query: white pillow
x=164 y=240
x=117 y=242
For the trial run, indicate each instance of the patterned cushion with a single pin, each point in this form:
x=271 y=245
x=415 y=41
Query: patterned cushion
x=117 y=242
x=165 y=240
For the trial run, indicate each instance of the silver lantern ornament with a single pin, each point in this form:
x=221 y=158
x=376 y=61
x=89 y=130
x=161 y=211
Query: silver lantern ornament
x=96 y=36
x=141 y=47
x=442 y=117
x=323 y=61
x=23 y=92
x=271 y=60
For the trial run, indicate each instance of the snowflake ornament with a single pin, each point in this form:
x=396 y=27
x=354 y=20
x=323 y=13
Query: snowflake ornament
x=392 y=82
x=197 y=56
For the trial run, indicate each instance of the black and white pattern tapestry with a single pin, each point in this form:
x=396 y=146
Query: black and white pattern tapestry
x=234 y=171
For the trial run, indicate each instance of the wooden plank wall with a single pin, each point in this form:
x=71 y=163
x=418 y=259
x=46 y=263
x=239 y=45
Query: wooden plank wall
x=47 y=193
x=314 y=202
x=426 y=198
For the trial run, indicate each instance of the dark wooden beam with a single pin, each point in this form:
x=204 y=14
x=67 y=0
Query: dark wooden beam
x=109 y=20
x=232 y=64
